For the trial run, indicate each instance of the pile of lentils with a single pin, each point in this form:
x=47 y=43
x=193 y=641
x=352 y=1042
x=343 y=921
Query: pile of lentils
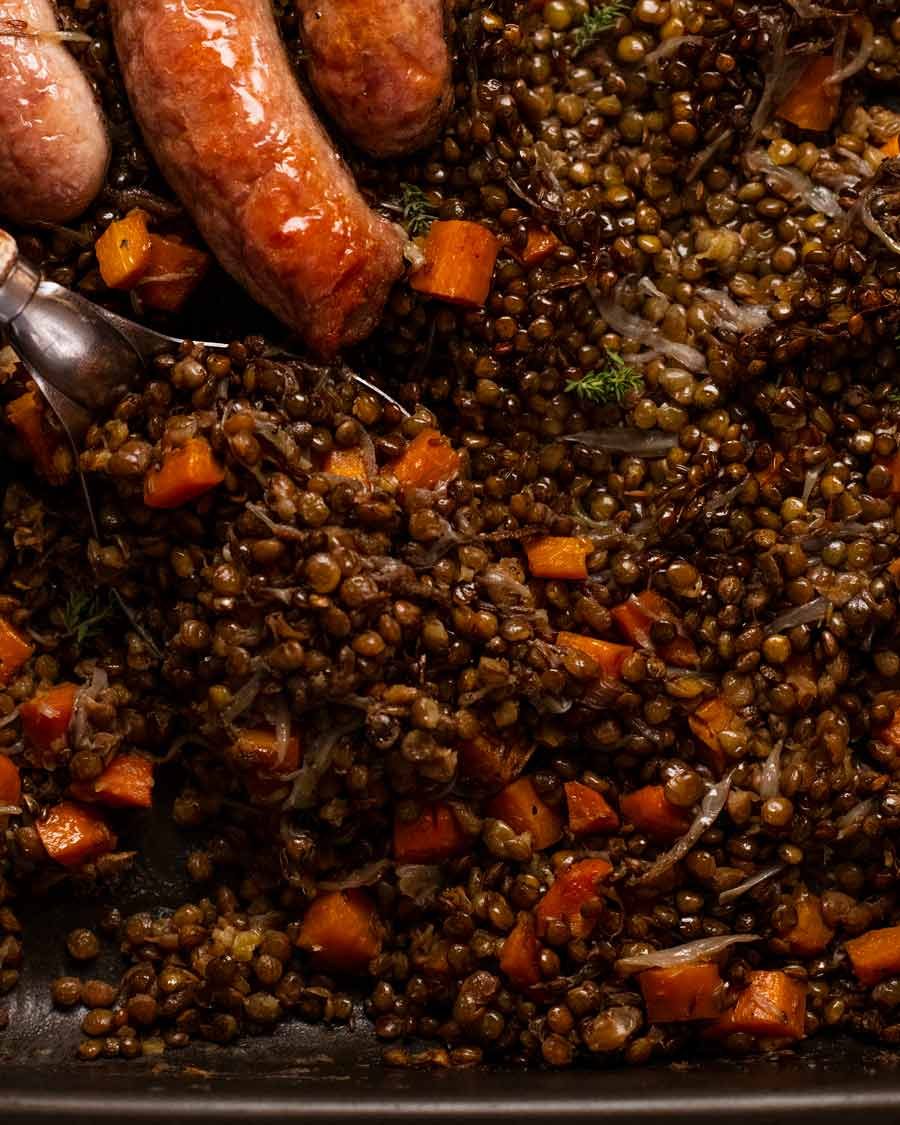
x=698 y=381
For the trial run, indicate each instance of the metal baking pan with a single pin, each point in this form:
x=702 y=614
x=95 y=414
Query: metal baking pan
x=317 y=1074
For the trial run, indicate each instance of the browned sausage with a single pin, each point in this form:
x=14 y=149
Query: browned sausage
x=213 y=92
x=381 y=69
x=54 y=149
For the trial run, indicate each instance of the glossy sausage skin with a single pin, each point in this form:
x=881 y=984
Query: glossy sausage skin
x=54 y=149
x=213 y=92
x=381 y=68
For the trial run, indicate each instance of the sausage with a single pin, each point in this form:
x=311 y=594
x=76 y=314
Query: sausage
x=212 y=89
x=381 y=68
x=54 y=148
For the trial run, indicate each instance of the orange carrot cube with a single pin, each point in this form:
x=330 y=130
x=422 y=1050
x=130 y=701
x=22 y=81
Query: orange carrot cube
x=524 y=811
x=429 y=460
x=46 y=717
x=682 y=992
x=573 y=889
x=435 y=835
x=186 y=473
x=520 y=956
x=15 y=651
x=558 y=556
x=340 y=931
x=649 y=811
x=459 y=263
x=124 y=250
x=589 y=811
x=73 y=835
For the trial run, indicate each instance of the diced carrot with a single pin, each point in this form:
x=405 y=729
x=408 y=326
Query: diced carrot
x=520 y=955
x=14 y=651
x=682 y=992
x=810 y=934
x=636 y=617
x=186 y=473
x=459 y=263
x=492 y=763
x=73 y=835
x=708 y=722
x=172 y=274
x=126 y=783
x=524 y=811
x=572 y=890
x=540 y=243
x=257 y=751
x=589 y=811
x=435 y=835
x=27 y=414
x=558 y=556
x=46 y=716
x=875 y=955
x=892 y=464
x=648 y=810
x=10 y=781
x=771 y=472
x=894 y=568
x=123 y=250
x=891 y=146
x=348 y=463
x=429 y=460
x=609 y=657
x=772 y=1006
x=810 y=104
x=340 y=930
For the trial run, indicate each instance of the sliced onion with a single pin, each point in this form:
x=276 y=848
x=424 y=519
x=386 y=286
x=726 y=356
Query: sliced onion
x=799 y=615
x=502 y=588
x=282 y=530
x=362 y=877
x=669 y=47
x=863 y=210
x=704 y=949
x=626 y=439
x=855 y=816
x=419 y=881
x=739 y=318
x=636 y=328
x=734 y=893
x=710 y=807
x=282 y=716
x=863 y=170
x=21 y=29
x=244 y=698
x=10 y=810
x=98 y=683
x=797 y=183
x=650 y=289
x=809 y=482
x=856 y=64
x=706 y=154
x=317 y=759
x=770 y=776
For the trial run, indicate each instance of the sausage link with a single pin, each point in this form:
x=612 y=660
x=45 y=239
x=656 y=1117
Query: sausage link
x=212 y=89
x=54 y=148
x=381 y=68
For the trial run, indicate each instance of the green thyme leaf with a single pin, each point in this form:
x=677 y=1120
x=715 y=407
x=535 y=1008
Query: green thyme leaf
x=85 y=614
x=599 y=20
x=615 y=382
x=417 y=211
